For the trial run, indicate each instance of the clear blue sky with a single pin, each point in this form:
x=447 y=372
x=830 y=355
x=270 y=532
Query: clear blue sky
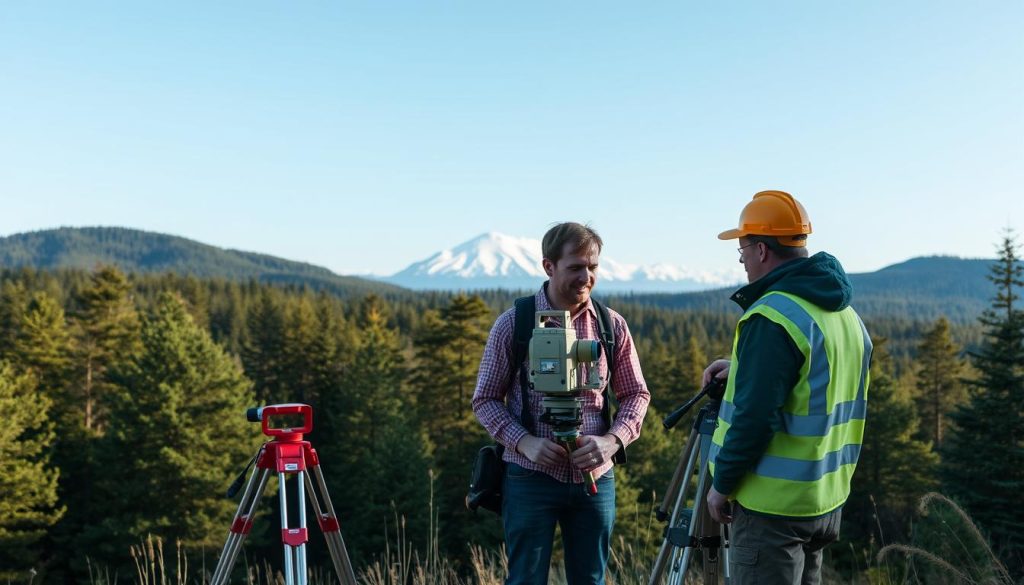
x=365 y=136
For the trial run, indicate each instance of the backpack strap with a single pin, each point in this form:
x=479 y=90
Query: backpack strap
x=522 y=331
x=607 y=331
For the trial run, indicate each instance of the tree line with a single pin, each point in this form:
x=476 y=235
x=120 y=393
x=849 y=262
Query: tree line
x=124 y=398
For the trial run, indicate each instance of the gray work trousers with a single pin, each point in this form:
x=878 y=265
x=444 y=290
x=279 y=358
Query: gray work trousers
x=782 y=551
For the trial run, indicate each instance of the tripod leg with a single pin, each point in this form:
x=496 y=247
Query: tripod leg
x=240 y=526
x=711 y=554
x=672 y=491
x=726 y=555
x=708 y=532
x=289 y=558
x=331 y=528
x=677 y=487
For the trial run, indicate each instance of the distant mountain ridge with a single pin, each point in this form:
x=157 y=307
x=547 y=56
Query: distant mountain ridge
x=923 y=288
x=134 y=250
x=920 y=288
x=495 y=260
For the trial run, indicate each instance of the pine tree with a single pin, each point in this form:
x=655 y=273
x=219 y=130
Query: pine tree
x=28 y=482
x=983 y=454
x=13 y=299
x=449 y=345
x=42 y=346
x=307 y=354
x=375 y=457
x=263 y=352
x=448 y=349
x=895 y=469
x=939 y=388
x=177 y=436
x=106 y=331
x=103 y=331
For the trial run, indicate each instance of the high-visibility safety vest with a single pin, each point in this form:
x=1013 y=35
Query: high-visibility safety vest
x=806 y=469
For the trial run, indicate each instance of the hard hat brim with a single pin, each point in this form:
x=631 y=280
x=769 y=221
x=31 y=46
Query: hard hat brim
x=731 y=234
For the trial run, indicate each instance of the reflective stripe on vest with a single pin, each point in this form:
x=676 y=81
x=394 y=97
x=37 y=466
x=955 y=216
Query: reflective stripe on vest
x=806 y=467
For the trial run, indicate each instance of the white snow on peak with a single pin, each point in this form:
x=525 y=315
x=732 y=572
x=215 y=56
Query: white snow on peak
x=496 y=260
x=490 y=254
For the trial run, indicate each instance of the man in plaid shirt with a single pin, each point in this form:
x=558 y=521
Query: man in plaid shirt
x=543 y=483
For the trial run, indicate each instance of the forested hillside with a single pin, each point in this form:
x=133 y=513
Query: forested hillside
x=125 y=394
x=133 y=251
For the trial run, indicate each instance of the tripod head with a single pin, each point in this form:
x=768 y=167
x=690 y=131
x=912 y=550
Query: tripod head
x=265 y=414
x=715 y=388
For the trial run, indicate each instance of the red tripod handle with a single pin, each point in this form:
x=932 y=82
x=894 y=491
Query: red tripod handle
x=267 y=412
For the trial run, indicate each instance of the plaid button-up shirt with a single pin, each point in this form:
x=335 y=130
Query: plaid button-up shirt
x=502 y=422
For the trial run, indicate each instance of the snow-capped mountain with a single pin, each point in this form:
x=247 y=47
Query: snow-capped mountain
x=495 y=260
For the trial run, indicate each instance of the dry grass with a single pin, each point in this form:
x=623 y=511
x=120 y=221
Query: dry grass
x=974 y=562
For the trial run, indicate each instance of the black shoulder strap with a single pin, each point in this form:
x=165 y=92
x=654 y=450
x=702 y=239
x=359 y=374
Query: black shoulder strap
x=522 y=331
x=607 y=331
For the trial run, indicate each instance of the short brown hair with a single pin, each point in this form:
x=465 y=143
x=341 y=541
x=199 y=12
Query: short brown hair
x=782 y=251
x=582 y=236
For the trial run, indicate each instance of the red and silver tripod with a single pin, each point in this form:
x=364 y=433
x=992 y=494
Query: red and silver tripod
x=286 y=453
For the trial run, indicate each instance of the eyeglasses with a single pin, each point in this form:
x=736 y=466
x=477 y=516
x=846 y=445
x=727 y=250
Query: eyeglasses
x=740 y=249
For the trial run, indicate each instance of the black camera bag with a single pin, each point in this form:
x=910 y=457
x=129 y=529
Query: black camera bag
x=485 y=485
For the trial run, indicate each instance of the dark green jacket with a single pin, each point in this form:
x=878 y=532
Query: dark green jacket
x=769 y=361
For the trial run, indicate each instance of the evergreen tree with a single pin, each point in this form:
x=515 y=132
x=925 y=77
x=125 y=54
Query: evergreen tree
x=939 y=387
x=106 y=331
x=263 y=352
x=42 y=345
x=983 y=454
x=448 y=350
x=28 y=483
x=177 y=436
x=307 y=354
x=13 y=299
x=103 y=331
x=378 y=463
x=895 y=469
x=227 y=316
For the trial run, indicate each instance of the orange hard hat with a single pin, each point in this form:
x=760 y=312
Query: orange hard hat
x=776 y=214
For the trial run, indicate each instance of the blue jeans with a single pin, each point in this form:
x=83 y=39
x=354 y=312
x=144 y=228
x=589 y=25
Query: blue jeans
x=532 y=502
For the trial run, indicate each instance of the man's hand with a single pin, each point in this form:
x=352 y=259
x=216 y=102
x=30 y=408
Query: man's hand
x=593 y=451
x=717 y=369
x=541 y=451
x=719 y=507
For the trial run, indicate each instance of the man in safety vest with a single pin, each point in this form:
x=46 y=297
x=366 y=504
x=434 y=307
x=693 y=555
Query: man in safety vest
x=791 y=421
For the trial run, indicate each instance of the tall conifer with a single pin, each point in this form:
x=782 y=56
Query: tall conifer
x=28 y=482
x=895 y=468
x=449 y=345
x=263 y=351
x=939 y=387
x=375 y=457
x=106 y=329
x=177 y=436
x=983 y=454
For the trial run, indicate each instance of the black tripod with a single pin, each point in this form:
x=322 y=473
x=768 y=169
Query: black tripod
x=690 y=530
